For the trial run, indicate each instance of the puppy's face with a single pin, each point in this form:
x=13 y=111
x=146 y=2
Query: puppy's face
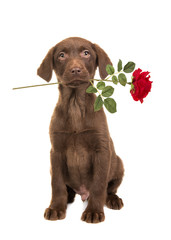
x=74 y=61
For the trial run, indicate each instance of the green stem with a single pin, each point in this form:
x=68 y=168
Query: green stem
x=37 y=85
x=112 y=75
x=96 y=88
x=106 y=79
x=100 y=80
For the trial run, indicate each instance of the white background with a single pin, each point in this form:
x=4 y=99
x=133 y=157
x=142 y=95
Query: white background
x=129 y=30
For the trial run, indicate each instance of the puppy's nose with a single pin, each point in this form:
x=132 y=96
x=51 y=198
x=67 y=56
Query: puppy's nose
x=75 y=70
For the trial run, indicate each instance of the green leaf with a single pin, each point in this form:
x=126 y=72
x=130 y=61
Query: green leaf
x=119 y=65
x=114 y=79
x=91 y=89
x=129 y=67
x=122 y=79
x=107 y=91
x=98 y=103
x=100 y=85
x=110 y=105
x=110 y=69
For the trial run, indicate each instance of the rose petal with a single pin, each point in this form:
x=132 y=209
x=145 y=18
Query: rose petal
x=144 y=74
x=136 y=74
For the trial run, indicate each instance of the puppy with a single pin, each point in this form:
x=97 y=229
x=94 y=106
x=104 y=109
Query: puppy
x=83 y=159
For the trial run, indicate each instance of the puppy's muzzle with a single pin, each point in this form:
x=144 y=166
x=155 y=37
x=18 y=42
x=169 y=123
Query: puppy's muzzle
x=76 y=76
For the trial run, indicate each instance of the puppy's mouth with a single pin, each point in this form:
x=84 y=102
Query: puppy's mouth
x=75 y=83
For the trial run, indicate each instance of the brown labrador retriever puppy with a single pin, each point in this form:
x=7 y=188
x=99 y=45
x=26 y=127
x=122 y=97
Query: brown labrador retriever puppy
x=83 y=159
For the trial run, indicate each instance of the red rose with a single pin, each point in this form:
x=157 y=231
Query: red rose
x=141 y=85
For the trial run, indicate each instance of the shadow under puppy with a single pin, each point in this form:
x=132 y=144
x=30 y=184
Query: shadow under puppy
x=83 y=159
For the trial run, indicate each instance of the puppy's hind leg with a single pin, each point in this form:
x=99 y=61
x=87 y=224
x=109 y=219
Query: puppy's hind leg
x=112 y=200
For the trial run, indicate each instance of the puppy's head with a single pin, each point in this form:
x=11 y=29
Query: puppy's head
x=74 y=61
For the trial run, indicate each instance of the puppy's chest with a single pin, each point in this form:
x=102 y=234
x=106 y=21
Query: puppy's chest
x=76 y=114
x=78 y=162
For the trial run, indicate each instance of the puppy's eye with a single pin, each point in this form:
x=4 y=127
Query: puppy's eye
x=62 y=56
x=85 y=54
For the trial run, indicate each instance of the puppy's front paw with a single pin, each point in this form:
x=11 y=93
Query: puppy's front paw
x=54 y=214
x=93 y=217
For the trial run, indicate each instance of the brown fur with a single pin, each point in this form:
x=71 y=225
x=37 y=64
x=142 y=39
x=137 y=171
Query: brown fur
x=83 y=159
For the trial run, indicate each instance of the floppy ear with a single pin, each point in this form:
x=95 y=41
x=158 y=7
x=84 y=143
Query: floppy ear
x=102 y=60
x=46 y=67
